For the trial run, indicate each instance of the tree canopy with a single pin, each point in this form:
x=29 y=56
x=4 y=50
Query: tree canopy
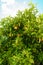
x=21 y=38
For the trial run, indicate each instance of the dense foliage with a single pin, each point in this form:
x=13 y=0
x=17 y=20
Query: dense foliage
x=21 y=38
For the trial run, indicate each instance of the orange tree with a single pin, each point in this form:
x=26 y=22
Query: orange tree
x=21 y=38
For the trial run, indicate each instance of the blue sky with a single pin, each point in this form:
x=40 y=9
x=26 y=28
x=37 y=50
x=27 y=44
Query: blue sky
x=10 y=7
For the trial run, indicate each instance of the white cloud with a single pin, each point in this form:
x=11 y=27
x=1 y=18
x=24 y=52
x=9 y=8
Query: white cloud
x=5 y=10
x=8 y=1
x=10 y=7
